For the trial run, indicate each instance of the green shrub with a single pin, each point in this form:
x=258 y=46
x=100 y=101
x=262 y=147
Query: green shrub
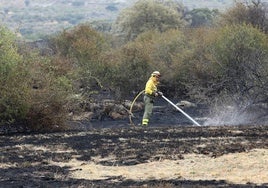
x=33 y=89
x=241 y=53
x=231 y=61
x=168 y=52
x=14 y=90
x=132 y=69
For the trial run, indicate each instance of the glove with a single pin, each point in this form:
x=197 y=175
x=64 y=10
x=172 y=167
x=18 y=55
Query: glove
x=155 y=93
x=160 y=93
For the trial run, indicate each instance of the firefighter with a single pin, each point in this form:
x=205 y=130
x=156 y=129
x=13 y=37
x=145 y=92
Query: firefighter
x=151 y=92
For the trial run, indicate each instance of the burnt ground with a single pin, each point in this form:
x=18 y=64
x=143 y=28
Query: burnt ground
x=28 y=160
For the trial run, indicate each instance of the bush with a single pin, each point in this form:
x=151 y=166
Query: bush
x=51 y=89
x=14 y=89
x=233 y=63
x=41 y=87
x=167 y=51
x=241 y=54
x=84 y=48
x=34 y=90
x=48 y=110
x=132 y=70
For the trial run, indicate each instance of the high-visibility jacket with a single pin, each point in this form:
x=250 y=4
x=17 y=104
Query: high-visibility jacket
x=151 y=86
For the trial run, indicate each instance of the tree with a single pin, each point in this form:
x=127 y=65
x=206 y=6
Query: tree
x=202 y=17
x=148 y=15
x=253 y=12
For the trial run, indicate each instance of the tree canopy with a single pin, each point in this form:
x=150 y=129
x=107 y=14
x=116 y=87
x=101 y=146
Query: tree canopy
x=149 y=15
x=254 y=13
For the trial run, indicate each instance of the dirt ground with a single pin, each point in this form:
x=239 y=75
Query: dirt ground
x=124 y=156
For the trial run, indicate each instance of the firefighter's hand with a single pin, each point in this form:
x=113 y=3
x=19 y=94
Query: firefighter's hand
x=155 y=93
x=160 y=93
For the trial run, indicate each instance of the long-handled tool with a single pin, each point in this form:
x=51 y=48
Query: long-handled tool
x=181 y=110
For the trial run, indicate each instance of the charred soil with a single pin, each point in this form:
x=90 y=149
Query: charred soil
x=56 y=159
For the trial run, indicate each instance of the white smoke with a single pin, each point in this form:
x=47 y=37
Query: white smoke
x=230 y=115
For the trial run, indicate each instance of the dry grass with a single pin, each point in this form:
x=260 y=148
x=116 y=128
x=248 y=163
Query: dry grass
x=237 y=168
x=119 y=158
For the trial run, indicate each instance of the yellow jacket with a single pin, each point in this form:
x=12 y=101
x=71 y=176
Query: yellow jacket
x=151 y=86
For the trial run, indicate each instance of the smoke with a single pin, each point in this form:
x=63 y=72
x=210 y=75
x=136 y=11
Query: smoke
x=231 y=115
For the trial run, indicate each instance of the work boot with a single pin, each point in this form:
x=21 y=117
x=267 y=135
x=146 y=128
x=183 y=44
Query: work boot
x=145 y=122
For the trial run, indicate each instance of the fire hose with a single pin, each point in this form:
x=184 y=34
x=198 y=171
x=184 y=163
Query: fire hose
x=185 y=114
x=181 y=110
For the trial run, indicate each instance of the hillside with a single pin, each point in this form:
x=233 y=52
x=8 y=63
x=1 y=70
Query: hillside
x=36 y=18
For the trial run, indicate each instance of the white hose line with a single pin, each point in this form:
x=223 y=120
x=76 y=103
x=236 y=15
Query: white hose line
x=181 y=111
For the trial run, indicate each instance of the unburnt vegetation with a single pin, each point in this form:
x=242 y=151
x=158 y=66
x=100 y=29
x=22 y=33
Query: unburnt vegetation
x=216 y=64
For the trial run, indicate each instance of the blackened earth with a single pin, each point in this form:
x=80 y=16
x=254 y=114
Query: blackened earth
x=169 y=136
x=130 y=145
